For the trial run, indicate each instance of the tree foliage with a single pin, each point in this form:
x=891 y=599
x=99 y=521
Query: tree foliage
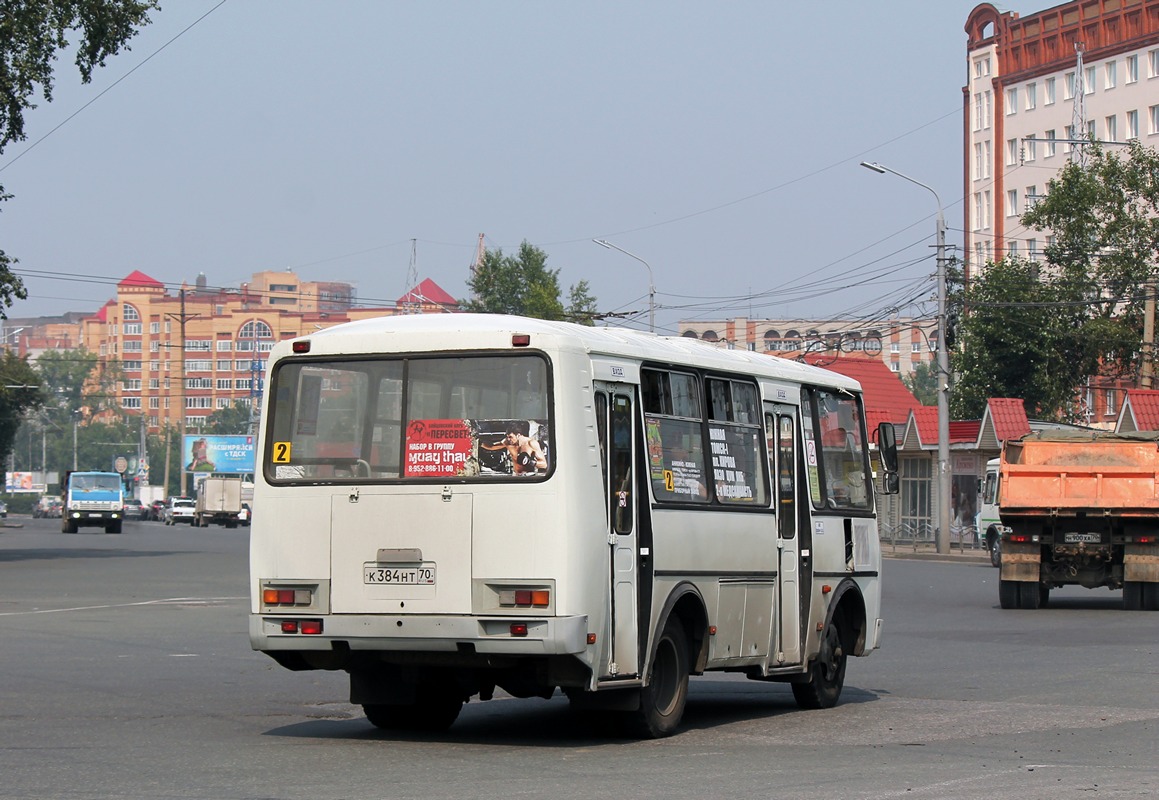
x=523 y=284
x=1026 y=336
x=923 y=382
x=20 y=392
x=31 y=34
x=233 y=420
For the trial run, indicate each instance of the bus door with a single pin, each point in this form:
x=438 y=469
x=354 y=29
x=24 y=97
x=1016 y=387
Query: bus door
x=623 y=532
x=793 y=532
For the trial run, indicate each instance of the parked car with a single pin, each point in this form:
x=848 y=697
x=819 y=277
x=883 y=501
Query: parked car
x=245 y=515
x=48 y=508
x=134 y=509
x=156 y=510
x=180 y=509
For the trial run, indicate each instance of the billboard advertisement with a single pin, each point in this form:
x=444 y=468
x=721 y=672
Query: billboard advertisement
x=234 y=454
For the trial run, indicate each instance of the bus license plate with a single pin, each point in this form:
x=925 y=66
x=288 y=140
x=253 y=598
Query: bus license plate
x=416 y=575
x=1076 y=538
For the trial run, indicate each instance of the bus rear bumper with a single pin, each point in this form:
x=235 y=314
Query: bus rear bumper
x=543 y=636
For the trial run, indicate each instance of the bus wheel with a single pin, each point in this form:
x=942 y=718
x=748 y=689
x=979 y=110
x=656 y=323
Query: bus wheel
x=995 y=550
x=434 y=712
x=1029 y=594
x=662 y=699
x=826 y=673
x=1133 y=595
x=1008 y=594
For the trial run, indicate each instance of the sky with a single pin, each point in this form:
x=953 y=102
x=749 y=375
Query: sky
x=370 y=141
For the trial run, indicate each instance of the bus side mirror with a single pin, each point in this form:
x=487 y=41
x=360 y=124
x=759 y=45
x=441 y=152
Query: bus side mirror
x=887 y=450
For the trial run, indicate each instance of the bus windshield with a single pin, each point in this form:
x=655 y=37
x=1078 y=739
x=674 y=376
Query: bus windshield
x=409 y=418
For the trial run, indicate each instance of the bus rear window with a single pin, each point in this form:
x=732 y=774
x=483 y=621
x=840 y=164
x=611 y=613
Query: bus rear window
x=376 y=419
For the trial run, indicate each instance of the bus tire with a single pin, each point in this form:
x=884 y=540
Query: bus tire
x=1029 y=595
x=826 y=676
x=1133 y=595
x=663 y=698
x=1008 y=594
x=434 y=711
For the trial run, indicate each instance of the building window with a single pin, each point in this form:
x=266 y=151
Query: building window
x=978 y=111
x=199 y=402
x=916 y=345
x=1011 y=152
x=1048 y=90
x=1012 y=101
x=132 y=328
x=986 y=208
x=241 y=366
x=154 y=402
x=915 y=497
x=986 y=110
x=1132 y=124
x=154 y=346
x=1089 y=82
x=199 y=345
x=1112 y=125
x=1069 y=139
x=977 y=161
x=1153 y=113
x=1069 y=86
x=132 y=346
x=1032 y=249
x=154 y=327
x=224 y=384
x=1031 y=197
x=1011 y=202
x=222 y=402
x=132 y=385
x=198 y=383
x=1132 y=63
x=130 y=402
x=198 y=365
x=1110 y=402
x=1012 y=247
x=242 y=383
x=254 y=329
x=129 y=314
x=1050 y=143
x=977 y=211
x=131 y=366
x=224 y=345
x=1110 y=74
x=1031 y=145
x=1031 y=96
x=894 y=366
x=1153 y=64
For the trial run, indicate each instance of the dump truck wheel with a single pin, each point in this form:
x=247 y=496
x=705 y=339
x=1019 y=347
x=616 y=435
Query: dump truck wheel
x=1029 y=595
x=1008 y=594
x=1133 y=595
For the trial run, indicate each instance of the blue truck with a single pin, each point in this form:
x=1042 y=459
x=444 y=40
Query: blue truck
x=92 y=499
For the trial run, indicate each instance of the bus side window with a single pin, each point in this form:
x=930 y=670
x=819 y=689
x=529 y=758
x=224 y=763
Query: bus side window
x=621 y=464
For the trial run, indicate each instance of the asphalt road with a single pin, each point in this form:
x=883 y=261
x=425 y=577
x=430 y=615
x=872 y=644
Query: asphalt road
x=125 y=672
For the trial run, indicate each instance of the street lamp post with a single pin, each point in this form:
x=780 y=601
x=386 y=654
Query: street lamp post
x=944 y=476
x=651 y=285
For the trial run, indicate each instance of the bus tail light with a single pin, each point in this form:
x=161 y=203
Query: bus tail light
x=286 y=597
x=525 y=598
x=307 y=627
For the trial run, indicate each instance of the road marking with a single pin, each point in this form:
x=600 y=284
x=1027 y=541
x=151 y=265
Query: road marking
x=205 y=601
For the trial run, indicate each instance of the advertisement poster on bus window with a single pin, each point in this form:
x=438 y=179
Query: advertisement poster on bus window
x=232 y=454
x=448 y=448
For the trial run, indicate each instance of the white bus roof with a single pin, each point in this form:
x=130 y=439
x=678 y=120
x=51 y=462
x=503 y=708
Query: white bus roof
x=465 y=332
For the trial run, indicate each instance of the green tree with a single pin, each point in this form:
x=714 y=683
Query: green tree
x=1026 y=335
x=20 y=392
x=231 y=421
x=923 y=382
x=1104 y=215
x=31 y=34
x=522 y=284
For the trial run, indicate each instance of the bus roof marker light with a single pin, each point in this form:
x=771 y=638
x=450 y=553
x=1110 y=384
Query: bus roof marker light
x=301 y=346
x=520 y=339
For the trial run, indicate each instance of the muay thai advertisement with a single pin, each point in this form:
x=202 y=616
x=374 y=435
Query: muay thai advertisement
x=449 y=448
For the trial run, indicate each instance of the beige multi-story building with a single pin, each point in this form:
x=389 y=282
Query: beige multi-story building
x=901 y=343
x=190 y=351
x=1038 y=86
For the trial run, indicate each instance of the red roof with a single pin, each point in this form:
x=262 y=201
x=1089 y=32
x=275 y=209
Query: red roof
x=428 y=292
x=1008 y=416
x=961 y=431
x=1144 y=408
x=138 y=278
x=887 y=399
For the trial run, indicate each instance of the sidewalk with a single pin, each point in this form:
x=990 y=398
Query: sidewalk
x=929 y=551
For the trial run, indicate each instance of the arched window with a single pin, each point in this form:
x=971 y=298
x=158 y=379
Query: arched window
x=129 y=313
x=709 y=336
x=690 y=334
x=255 y=329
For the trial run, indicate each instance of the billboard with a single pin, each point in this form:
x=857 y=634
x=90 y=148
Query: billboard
x=218 y=454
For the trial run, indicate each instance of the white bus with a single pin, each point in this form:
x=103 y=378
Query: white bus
x=457 y=503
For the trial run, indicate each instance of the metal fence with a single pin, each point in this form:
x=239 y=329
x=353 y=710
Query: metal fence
x=912 y=533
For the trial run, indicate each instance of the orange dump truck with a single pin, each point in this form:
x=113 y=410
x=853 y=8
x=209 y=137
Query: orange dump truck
x=1080 y=507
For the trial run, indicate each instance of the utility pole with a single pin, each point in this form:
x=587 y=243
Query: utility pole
x=1147 y=368
x=181 y=319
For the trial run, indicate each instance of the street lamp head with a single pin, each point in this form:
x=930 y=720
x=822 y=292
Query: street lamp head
x=602 y=243
x=873 y=166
